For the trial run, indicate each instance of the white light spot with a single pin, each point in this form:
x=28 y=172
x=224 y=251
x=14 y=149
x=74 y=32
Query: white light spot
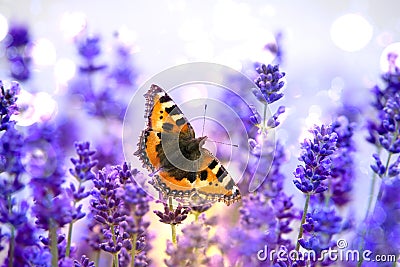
x=126 y=35
x=64 y=70
x=314 y=117
x=72 y=23
x=45 y=106
x=255 y=49
x=390 y=58
x=3 y=27
x=351 y=32
x=35 y=108
x=44 y=52
x=26 y=110
x=268 y=10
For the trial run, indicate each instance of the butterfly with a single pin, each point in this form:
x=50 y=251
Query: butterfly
x=181 y=167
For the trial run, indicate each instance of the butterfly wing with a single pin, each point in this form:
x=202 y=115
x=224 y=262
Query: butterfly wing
x=195 y=177
x=210 y=183
x=163 y=116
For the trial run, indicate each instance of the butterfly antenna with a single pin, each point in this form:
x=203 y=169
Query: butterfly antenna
x=222 y=143
x=204 y=119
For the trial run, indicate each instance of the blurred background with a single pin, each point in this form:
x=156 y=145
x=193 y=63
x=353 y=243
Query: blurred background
x=333 y=52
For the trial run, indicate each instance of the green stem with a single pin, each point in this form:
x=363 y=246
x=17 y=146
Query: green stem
x=303 y=220
x=364 y=231
x=12 y=237
x=372 y=192
x=387 y=164
x=173 y=227
x=12 y=247
x=68 y=248
x=115 y=260
x=264 y=127
x=133 y=250
x=196 y=216
x=328 y=194
x=96 y=258
x=371 y=195
x=53 y=245
x=114 y=238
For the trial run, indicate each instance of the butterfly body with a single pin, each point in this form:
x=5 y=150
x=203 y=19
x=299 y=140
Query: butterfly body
x=182 y=168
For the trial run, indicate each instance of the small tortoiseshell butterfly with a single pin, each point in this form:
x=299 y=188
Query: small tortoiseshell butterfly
x=182 y=168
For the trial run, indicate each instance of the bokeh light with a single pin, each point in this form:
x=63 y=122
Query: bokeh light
x=351 y=32
x=45 y=106
x=26 y=110
x=126 y=36
x=3 y=27
x=34 y=108
x=72 y=23
x=390 y=57
x=44 y=52
x=64 y=70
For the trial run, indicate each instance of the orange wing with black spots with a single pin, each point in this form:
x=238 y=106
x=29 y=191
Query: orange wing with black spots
x=183 y=169
x=163 y=114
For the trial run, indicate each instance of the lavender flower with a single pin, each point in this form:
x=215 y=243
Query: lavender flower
x=200 y=208
x=52 y=211
x=123 y=72
x=265 y=218
x=82 y=173
x=118 y=207
x=383 y=235
x=11 y=144
x=18 y=56
x=18 y=36
x=316 y=156
x=342 y=173
x=273 y=121
x=53 y=206
x=269 y=84
x=89 y=49
x=137 y=205
x=385 y=131
x=84 y=262
x=264 y=222
x=108 y=209
x=320 y=226
x=36 y=256
x=8 y=106
x=191 y=245
x=171 y=216
x=83 y=165
x=61 y=246
x=13 y=213
x=25 y=249
x=276 y=48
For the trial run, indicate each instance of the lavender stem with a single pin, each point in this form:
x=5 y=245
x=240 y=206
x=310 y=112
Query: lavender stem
x=12 y=237
x=53 y=242
x=69 y=239
x=303 y=220
x=173 y=227
x=133 y=250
